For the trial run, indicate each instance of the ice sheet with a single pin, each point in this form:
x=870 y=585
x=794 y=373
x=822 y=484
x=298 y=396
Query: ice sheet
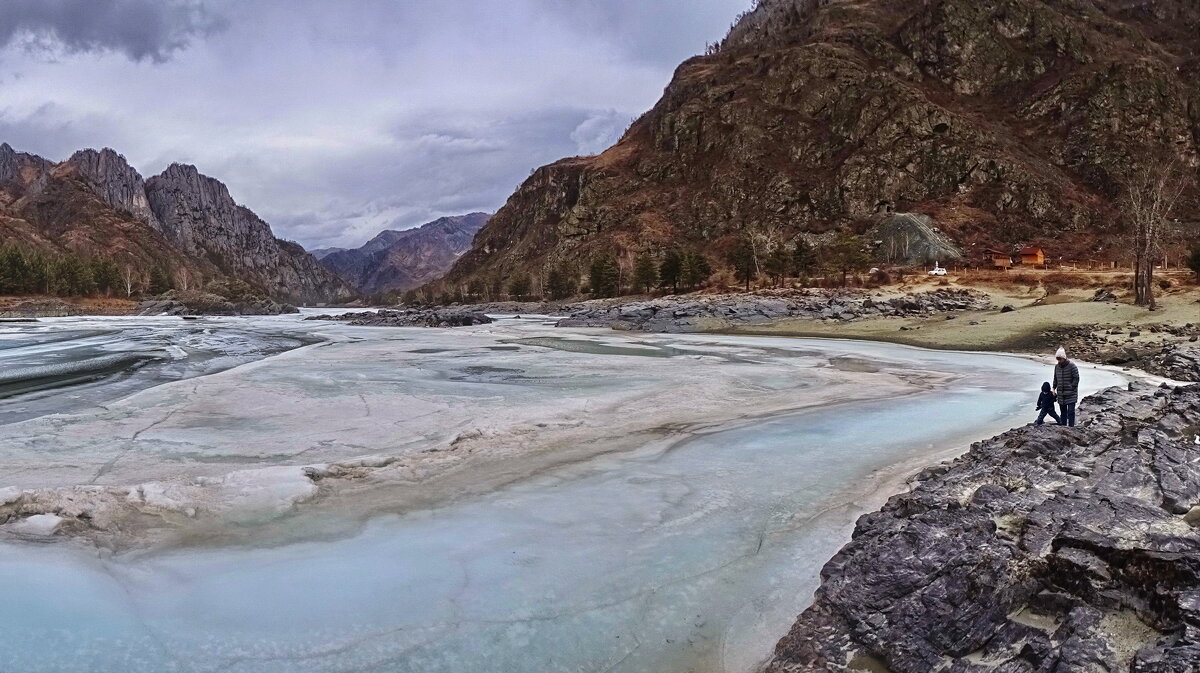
x=685 y=536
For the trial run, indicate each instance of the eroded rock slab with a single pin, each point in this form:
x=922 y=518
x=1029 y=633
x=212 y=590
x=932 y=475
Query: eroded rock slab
x=410 y=318
x=1042 y=549
x=692 y=314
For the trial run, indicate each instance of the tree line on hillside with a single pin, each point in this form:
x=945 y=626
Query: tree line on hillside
x=671 y=270
x=70 y=275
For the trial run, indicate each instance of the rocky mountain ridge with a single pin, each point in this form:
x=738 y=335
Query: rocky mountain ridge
x=402 y=260
x=1006 y=123
x=96 y=204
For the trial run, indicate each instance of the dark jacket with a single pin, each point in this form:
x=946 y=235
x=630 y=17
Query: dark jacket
x=1066 y=382
x=1046 y=399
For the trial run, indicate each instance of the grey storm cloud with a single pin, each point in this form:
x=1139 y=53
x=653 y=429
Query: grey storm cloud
x=140 y=29
x=334 y=119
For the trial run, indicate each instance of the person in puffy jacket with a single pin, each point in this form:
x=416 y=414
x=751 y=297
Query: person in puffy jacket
x=1045 y=405
x=1066 y=387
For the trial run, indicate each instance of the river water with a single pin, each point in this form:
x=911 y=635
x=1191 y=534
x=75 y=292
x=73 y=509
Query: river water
x=694 y=552
x=69 y=364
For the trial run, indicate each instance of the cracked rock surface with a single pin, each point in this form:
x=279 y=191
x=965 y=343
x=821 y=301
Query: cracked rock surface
x=693 y=314
x=1042 y=549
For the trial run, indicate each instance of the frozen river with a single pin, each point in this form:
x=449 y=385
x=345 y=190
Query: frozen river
x=719 y=474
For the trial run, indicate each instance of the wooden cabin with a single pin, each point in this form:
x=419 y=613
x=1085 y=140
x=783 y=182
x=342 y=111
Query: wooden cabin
x=1033 y=256
x=998 y=259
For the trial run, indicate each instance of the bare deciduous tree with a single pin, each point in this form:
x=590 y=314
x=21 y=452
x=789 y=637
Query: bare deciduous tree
x=129 y=276
x=183 y=278
x=1148 y=204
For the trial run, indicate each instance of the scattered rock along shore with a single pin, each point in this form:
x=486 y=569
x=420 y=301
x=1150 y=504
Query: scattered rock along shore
x=205 y=303
x=1043 y=549
x=1172 y=351
x=40 y=308
x=410 y=318
x=704 y=312
x=674 y=315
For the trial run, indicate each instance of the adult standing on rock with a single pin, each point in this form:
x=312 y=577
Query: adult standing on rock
x=1066 y=387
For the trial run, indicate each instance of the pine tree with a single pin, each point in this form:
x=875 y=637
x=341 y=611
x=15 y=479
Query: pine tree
x=160 y=280
x=38 y=274
x=741 y=258
x=106 y=275
x=778 y=264
x=519 y=287
x=14 y=271
x=847 y=254
x=694 y=270
x=644 y=273
x=804 y=259
x=604 y=277
x=561 y=281
x=669 y=271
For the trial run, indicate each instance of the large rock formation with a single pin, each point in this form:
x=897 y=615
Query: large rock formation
x=21 y=170
x=1007 y=122
x=114 y=181
x=401 y=260
x=96 y=205
x=1043 y=549
x=198 y=214
x=87 y=205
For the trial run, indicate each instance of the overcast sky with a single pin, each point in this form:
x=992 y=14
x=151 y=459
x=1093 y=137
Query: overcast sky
x=334 y=119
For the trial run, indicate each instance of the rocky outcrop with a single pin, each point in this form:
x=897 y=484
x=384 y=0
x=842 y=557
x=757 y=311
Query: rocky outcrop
x=1180 y=362
x=1043 y=549
x=114 y=181
x=402 y=260
x=191 y=303
x=410 y=318
x=22 y=169
x=1161 y=349
x=181 y=223
x=197 y=213
x=1005 y=122
x=68 y=207
x=693 y=314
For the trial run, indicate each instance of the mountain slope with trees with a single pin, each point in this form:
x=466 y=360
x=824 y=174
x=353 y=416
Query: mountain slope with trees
x=1007 y=123
x=75 y=227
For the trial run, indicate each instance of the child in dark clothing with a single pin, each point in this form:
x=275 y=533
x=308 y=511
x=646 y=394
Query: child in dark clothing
x=1045 y=405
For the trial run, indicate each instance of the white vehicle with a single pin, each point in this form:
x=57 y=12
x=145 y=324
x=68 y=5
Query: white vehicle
x=937 y=270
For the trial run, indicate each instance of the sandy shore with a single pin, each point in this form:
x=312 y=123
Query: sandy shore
x=1036 y=324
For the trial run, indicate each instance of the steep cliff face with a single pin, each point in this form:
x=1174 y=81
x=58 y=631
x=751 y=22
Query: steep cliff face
x=113 y=180
x=197 y=213
x=96 y=204
x=401 y=260
x=19 y=170
x=56 y=208
x=1007 y=122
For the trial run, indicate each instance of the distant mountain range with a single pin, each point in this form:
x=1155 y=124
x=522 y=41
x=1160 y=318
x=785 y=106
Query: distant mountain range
x=395 y=261
x=1005 y=123
x=95 y=204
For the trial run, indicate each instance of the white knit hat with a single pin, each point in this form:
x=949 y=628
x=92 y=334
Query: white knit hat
x=1061 y=353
